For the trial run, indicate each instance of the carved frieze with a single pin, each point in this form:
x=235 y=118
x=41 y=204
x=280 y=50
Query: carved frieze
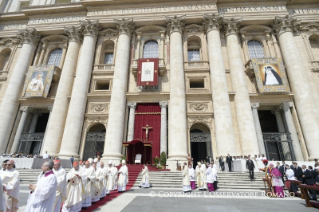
x=198 y=106
x=98 y=107
x=200 y=119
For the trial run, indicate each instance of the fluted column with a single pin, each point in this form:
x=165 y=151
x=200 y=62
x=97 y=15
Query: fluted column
x=10 y=100
x=222 y=113
x=247 y=132
x=114 y=132
x=131 y=121
x=75 y=116
x=259 y=132
x=21 y=125
x=292 y=129
x=305 y=104
x=55 y=127
x=177 y=146
x=163 y=147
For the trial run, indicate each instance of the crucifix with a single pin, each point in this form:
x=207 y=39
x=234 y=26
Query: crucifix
x=146 y=128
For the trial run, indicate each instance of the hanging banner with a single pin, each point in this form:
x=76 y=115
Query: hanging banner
x=270 y=75
x=38 y=81
x=147 y=72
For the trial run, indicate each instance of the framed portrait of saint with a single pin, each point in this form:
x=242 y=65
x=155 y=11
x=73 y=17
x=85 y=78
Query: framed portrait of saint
x=270 y=75
x=38 y=81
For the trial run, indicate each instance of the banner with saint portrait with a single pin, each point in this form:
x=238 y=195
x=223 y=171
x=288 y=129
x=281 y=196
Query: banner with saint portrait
x=38 y=81
x=147 y=72
x=270 y=75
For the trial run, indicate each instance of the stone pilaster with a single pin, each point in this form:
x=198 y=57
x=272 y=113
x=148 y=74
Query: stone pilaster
x=21 y=125
x=177 y=149
x=114 y=132
x=10 y=103
x=131 y=121
x=75 y=115
x=246 y=128
x=259 y=132
x=222 y=113
x=34 y=121
x=55 y=127
x=303 y=99
x=163 y=147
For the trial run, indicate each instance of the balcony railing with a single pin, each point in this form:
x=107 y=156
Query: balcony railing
x=30 y=143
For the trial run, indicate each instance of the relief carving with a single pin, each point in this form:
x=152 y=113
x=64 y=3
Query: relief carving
x=200 y=119
x=198 y=106
x=98 y=107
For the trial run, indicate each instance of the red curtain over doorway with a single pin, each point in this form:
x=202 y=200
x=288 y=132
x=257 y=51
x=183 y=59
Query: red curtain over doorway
x=148 y=114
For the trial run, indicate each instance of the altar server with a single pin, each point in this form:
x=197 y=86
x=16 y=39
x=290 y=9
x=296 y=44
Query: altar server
x=88 y=178
x=211 y=178
x=192 y=176
x=11 y=185
x=145 y=178
x=101 y=176
x=61 y=189
x=123 y=177
x=186 y=181
x=115 y=176
x=42 y=195
x=73 y=202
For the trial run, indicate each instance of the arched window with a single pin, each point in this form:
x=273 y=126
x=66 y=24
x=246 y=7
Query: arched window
x=55 y=57
x=193 y=48
x=150 y=49
x=256 y=49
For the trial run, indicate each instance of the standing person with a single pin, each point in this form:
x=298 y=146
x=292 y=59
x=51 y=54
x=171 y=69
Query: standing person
x=88 y=178
x=61 y=189
x=11 y=187
x=115 y=176
x=210 y=178
x=101 y=175
x=307 y=178
x=203 y=177
x=250 y=166
x=72 y=160
x=229 y=161
x=316 y=162
x=198 y=175
x=221 y=163
x=145 y=177
x=192 y=177
x=42 y=194
x=123 y=177
x=291 y=176
x=46 y=155
x=282 y=170
x=186 y=180
x=73 y=202
x=1 y=197
x=4 y=165
x=278 y=165
x=215 y=170
x=95 y=192
x=298 y=172
x=110 y=178
x=277 y=181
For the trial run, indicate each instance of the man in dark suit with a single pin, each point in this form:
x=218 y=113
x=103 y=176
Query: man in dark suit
x=250 y=166
x=282 y=170
x=292 y=166
x=229 y=161
x=298 y=172
x=308 y=179
x=221 y=163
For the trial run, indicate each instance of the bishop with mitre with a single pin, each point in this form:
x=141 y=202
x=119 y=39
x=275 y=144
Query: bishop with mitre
x=123 y=178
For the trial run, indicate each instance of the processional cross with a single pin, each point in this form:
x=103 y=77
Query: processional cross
x=146 y=131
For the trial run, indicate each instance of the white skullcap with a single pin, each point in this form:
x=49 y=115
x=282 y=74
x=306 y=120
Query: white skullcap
x=110 y=162
x=90 y=160
x=123 y=161
x=96 y=160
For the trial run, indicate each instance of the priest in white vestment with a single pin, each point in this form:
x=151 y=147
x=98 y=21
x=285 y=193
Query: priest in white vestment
x=11 y=185
x=115 y=177
x=95 y=189
x=192 y=176
x=198 y=175
x=123 y=177
x=203 y=177
x=210 y=178
x=1 y=197
x=145 y=178
x=73 y=202
x=186 y=180
x=61 y=190
x=110 y=176
x=88 y=178
x=101 y=175
x=42 y=195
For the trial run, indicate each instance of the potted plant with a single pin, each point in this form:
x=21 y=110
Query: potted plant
x=163 y=160
x=155 y=161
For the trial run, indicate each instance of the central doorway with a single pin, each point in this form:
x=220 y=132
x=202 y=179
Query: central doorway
x=200 y=139
x=94 y=142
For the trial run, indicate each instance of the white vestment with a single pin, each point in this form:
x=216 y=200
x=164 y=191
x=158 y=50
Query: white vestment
x=290 y=174
x=61 y=189
x=36 y=84
x=97 y=186
x=203 y=178
x=115 y=176
x=210 y=175
x=45 y=156
x=271 y=79
x=88 y=178
x=1 y=197
x=123 y=178
x=11 y=182
x=73 y=202
x=145 y=178
x=42 y=198
x=198 y=176
x=186 y=181
x=191 y=172
x=110 y=179
x=101 y=175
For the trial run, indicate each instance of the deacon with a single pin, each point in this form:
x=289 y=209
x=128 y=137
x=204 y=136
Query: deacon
x=186 y=181
x=95 y=192
x=73 y=202
x=11 y=186
x=115 y=176
x=145 y=178
x=101 y=176
x=203 y=177
x=123 y=178
x=42 y=195
x=192 y=176
x=88 y=178
x=110 y=176
x=61 y=189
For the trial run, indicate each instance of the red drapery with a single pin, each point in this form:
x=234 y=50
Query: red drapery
x=148 y=114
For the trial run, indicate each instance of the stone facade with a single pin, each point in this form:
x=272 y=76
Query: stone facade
x=100 y=43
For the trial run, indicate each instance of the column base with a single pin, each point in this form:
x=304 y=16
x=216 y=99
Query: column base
x=172 y=163
x=66 y=155
x=115 y=157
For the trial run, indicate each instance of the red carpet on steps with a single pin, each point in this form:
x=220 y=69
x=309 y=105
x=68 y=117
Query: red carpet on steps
x=133 y=172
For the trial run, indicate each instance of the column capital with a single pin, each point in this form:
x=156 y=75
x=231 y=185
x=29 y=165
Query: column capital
x=24 y=109
x=212 y=22
x=254 y=105
x=131 y=104
x=175 y=24
x=29 y=36
x=232 y=25
x=286 y=105
x=90 y=28
x=125 y=26
x=288 y=23
x=276 y=110
x=163 y=104
x=50 y=108
x=74 y=33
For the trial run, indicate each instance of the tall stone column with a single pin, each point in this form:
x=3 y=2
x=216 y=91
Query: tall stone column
x=247 y=132
x=163 y=147
x=131 y=121
x=177 y=146
x=55 y=127
x=34 y=121
x=259 y=132
x=21 y=125
x=10 y=102
x=305 y=104
x=292 y=129
x=114 y=133
x=222 y=113
x=75 y=116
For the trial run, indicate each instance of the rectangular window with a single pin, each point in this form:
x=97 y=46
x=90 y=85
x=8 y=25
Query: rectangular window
x=196 y=83
x=193 y=55
x=102 y=86
x=108 y=58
